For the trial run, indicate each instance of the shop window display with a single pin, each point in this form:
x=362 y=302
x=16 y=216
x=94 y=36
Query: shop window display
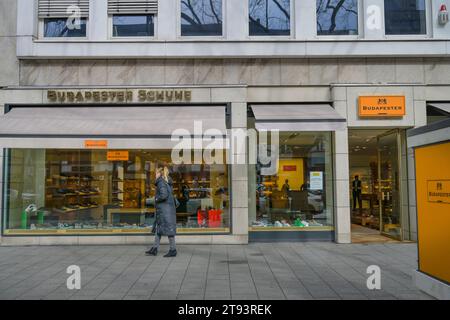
x=299 y=195
x=56 y=191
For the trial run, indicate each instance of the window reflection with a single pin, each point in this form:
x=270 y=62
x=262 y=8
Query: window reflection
x=201 y=17
x=405 y=17
x=133 y=26
x=269 y=17
x=337 y=17
x=59 y=28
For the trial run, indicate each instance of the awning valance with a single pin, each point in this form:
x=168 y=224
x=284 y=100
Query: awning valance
x=299 y=117
x=441 y=106
x=118 y=123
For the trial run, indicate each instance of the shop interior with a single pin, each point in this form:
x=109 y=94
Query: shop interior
x=375 y=185
x=100 y=190
x=299 y=194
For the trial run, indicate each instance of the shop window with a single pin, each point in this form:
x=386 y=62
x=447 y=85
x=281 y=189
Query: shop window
x=133 y=25
x=269 y=17
x=64 y=28
x=62 y=192
x=337 y=17
x=299 y=196
x=201 y=17
x=405 y=17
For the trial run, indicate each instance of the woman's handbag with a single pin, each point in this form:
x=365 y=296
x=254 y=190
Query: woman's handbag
x=177 y=203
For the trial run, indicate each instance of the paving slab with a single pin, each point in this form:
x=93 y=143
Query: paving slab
x=272 y=271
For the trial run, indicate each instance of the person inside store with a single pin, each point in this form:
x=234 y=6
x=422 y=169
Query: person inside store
x=165 y=213
x=356 y=191
x=285 y=189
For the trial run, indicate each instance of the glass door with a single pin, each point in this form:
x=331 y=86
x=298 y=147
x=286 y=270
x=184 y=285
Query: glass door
x=389 y=184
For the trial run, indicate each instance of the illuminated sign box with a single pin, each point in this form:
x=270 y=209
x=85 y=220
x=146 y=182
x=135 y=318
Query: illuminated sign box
x=93 y=144
x=117 y=156
x=382 y=106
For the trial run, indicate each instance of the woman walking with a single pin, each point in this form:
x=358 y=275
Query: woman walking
x=165 y=222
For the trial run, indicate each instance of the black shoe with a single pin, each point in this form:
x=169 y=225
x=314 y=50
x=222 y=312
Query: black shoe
x=152 y=252
x=171 y=253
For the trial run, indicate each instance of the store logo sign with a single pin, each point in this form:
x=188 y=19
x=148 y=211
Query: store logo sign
x=119 y=96
x=117 y=155
x=96 y=144
x=438 y=191
x=382 y=106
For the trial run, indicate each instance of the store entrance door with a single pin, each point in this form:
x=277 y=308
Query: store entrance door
x=389 y=184
x=375 y=183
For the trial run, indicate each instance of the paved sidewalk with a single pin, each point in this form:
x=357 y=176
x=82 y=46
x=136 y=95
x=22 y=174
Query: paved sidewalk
x=256 y=271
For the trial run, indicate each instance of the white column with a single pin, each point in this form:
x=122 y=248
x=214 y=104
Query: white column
x=438 y=31
x=26 y=18
x=168 y=19
x=239 y=178
x=341 y=172
x=98 y=24
x=235 y=19
x=373 y=19
x=304 y=19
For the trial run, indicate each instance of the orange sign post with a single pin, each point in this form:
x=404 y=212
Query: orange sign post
x=382 y=106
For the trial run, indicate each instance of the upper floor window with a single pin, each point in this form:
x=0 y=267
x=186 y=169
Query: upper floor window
x=133 y=18
x=133 y=26
x=201 y=17
x=61 y=28
x=405 y=17
x=63 y=18
x=269 y=17
x=337 y=17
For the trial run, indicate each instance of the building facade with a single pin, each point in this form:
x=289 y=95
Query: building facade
x=91 y=97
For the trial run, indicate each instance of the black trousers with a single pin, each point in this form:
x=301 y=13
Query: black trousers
x=357 y=196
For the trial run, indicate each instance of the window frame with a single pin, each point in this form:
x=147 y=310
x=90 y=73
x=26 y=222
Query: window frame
x=137 y=38
x=200 y=38
x=358 y=36
x=292 y=21
x=428 y=24
x=42 y=37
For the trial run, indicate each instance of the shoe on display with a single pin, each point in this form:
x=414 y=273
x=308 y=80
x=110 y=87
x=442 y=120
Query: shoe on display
x=278 y=224
x=170 y=254
x=306 y=224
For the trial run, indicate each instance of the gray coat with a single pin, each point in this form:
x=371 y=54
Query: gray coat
x=166 y=218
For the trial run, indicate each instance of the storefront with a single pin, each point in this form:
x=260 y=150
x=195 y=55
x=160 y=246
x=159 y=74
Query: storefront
x=291 y=198
x=82 y=164
x=79 y=164
x=430 y=150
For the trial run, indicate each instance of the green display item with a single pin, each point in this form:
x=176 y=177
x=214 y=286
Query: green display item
x=24 y=220
x=298 y=223
x=40 y=217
